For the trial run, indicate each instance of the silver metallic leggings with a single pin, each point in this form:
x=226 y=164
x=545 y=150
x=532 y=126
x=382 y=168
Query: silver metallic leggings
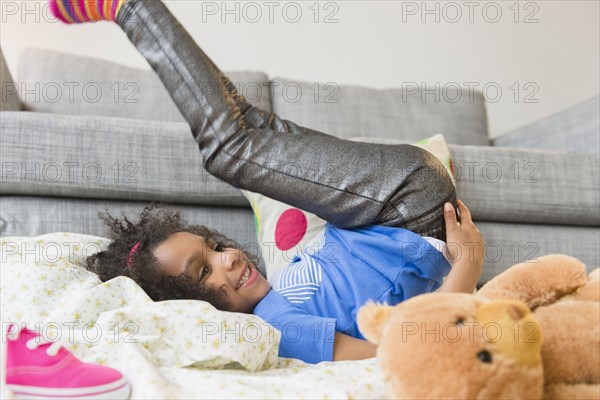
x=347 y=183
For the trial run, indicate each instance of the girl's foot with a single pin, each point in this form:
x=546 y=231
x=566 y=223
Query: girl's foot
x=76 y=11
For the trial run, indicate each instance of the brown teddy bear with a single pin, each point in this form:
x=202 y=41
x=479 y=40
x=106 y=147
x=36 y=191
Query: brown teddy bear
x=491 y=345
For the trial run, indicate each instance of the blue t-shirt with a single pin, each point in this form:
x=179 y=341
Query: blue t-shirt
x=321 y=290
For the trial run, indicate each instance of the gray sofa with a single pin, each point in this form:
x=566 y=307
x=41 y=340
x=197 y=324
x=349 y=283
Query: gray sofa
x=81 y=135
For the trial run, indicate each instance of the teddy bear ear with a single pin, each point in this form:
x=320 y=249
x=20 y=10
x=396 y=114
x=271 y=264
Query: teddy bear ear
x=371 y=320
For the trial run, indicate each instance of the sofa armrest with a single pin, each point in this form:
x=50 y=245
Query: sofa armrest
x=575 y=129
x=106 y=158
x=528 y=186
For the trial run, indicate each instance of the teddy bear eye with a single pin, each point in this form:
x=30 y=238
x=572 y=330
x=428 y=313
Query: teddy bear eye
x=459 y=321
x=484 y=356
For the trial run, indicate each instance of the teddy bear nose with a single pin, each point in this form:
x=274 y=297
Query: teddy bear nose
x=516 y=312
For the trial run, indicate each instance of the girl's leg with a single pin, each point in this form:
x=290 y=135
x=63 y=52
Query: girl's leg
x=346 y=183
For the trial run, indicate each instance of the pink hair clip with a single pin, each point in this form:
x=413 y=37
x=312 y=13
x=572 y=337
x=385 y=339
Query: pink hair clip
x=132 y=253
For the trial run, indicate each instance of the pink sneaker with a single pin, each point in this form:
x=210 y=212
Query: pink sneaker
x=41 y=369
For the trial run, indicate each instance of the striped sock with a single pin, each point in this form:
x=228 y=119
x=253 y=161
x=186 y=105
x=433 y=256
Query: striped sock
x=76 y=11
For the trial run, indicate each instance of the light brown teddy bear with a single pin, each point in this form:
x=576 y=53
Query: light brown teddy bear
x=490 y=345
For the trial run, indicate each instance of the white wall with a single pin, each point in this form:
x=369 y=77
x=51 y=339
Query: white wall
x=553 y=59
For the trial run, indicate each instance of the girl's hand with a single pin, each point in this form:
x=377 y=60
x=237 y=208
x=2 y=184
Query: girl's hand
x=464 y=241
x=463 y=250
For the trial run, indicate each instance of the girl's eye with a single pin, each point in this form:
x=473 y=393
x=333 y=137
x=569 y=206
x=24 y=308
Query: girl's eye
x=204 y=271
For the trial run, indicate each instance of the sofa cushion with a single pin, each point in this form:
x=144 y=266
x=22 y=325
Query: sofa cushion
x=63 y=83
x=33 y=215
x=350 y=111
x=528 y=186
x=574 y=130
x=106 y=158
x=506 y=244
x=10 y=96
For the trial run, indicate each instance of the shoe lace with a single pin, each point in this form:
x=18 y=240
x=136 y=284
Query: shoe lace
x=14 y=332
x=34 y=343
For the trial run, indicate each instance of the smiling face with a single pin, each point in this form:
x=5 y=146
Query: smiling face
x=210 y=265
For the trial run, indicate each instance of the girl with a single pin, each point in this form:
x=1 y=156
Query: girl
x=384 y=207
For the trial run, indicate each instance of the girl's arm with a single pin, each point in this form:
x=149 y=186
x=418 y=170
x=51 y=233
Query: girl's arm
x=349 y=348
x=464 y=251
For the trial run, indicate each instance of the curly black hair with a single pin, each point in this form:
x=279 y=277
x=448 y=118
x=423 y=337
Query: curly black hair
x=154 y=227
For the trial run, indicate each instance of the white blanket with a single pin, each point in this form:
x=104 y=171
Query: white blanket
x=168 y=350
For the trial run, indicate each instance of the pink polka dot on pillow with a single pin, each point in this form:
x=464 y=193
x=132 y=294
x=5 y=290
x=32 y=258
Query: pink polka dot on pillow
x=290 y=228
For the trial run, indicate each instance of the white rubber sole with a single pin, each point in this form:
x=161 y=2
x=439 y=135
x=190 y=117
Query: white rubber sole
x=118 y=390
